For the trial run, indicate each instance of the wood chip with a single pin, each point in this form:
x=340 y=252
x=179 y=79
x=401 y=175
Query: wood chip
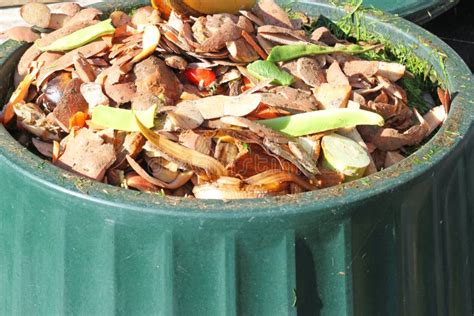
x=84 y=69
x=88 y=155
x=391 y=71
x=68 y=8
x=324 y=35
x=252 y=17
x=22 y=34
x=228 y=32
x=186 y=116
x=123 y=91
x=37 y=14
x=276 y=30
x=58 y=20
x=309 y=70
x=31 y=54
x=67 y=60
x=272 y=14
x=71 y=102
x=85 y=15
x=241 y=51
x=92 y=93
x=361 y=67
x=334 y=75
x=254 y=45
x=331 y=96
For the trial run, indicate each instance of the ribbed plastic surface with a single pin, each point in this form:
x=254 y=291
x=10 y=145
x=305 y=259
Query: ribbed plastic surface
x=394 y=244
x=407 y=257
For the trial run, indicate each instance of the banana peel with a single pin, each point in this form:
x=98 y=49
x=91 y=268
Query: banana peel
x=201 y=7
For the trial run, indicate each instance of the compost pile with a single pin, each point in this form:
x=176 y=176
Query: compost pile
x=221 y=106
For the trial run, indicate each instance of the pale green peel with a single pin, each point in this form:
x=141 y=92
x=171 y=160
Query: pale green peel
x=323 y=120
x=262 y=69
x=344 y=155
x=80 y=37
x=289 y=52
x=121 y=119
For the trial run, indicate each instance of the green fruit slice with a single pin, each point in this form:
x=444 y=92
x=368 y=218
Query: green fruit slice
x=344 y=155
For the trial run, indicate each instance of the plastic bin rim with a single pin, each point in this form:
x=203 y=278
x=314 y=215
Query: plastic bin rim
x=460 y=119
x=419 y=12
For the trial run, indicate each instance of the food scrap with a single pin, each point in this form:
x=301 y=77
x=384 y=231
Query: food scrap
x=245 y=104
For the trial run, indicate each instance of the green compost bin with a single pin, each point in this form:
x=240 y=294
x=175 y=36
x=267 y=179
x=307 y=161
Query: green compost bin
x=418 y=11
x=390 y=244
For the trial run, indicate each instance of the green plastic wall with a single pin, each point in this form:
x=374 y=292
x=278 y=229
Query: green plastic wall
x=418 y=11
x=409 y=7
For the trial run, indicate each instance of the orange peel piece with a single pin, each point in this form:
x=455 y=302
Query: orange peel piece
x=18 y=95
x=56 y=151
x=200 y=7
x=78 y=120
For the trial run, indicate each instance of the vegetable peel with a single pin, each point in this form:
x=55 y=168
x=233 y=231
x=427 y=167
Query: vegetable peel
x=121 y=119
x=18 y=96
x=190 y=158
x=289 y=52
x=151 y=38
x=321 y=121
x=79 y=37
x=180 y=180
x=263 y=69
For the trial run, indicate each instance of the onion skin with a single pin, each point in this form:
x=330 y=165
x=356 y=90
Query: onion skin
x=205 y=166
x=279 y=176
x=216 y=191
x=134 y=180
x=329 y=178
x=267 y=183
x=180 y=180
